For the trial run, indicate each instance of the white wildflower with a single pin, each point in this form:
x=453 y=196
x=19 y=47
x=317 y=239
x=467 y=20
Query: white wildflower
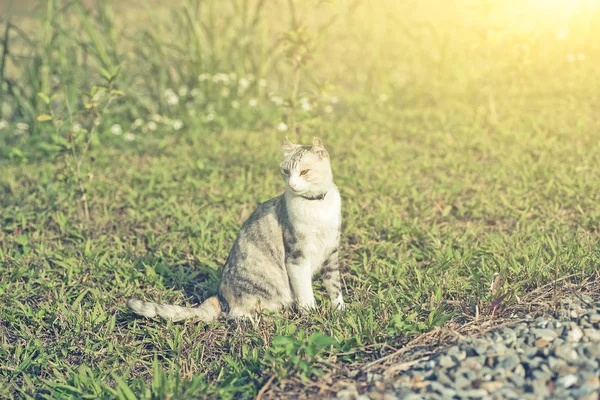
x=244 y=83
x=209 y=117
x=328 y=109
x=571 y=58
x=152 y=126
x=129 y=136
x=204 y=77
x=581 y=56
x=183 y=91
x=383 y=98
x=156 y=118
x=282 y=127
x=3 y=124
x=195 y=92
x=192 y=112
x=173 y=100
x=225 y=92
x=277 y=100
x=262 y=83
x=221 y=77
x=253 y=103
x=305 y=104
x=22 y=126
x=334 y=99
x=116 y=129
x=137 y=123
x=235 y=104
x=177 y=124
x=76 y=127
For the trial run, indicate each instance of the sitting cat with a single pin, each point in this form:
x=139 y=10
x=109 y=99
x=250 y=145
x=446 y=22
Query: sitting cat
x=282 y=245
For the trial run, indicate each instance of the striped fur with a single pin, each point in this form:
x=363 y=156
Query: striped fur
x=284 y=243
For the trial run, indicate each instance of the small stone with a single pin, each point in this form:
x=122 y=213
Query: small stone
x=541 y=322
x=567 y=353
x=349 y=393
x=540 y=376
x=448 y=393
x=491 y=386
x=553 y=362
x=542 y=342
x=519 y=370
x=592 y=396
x=575 y=333
x=446 y=362
x=566 y=381
x=595 y=318
x=516 y=380
x=411 y=396
x=474 y=394
x=509 y=336
x=461 y=383
x=540 y=388
x=592 y=334
x=435 y=387
x=442 y=378
x=547 y=334
x=507 y=393
x=472 y=363
x=591 y=350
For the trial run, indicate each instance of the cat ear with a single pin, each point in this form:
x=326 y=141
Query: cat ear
x=287 y=147
x=318 y=148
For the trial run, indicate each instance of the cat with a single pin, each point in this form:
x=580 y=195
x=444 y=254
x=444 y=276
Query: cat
x=282 y=245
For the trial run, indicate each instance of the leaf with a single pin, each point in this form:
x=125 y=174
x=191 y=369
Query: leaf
x=105 y=74
x=322 y=340
x=282 y=340
x=124 y=389
x=44 y=117
x=44 y=97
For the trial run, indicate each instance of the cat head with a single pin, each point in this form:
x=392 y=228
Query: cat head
x=306 y=168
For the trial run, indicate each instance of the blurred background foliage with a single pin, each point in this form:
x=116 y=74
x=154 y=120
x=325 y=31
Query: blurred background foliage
x=208 y=65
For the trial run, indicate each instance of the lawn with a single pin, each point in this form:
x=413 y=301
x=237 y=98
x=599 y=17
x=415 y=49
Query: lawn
x=465 y=143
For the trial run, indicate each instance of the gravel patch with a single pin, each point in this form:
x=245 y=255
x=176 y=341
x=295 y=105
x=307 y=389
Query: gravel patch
x=555 y=358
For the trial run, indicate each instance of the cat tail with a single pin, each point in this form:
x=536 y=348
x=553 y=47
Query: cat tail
x=208 y=311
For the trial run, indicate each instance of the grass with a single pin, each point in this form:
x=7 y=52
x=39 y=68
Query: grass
x=451 y=177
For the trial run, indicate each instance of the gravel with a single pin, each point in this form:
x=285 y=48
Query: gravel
x=555 y=358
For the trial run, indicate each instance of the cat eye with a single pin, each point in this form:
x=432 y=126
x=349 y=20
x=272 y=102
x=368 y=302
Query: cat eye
x=303 y=172
x=285 y=171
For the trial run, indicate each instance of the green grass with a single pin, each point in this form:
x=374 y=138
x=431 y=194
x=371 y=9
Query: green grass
x=464 y=172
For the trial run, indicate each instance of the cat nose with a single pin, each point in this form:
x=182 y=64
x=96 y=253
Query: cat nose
x=292 y=185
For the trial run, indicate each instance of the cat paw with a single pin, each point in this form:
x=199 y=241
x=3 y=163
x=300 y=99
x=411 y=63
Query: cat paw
x=338 y=306
x=307 y=307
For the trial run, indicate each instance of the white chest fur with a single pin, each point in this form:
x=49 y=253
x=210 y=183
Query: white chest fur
x=318 y=223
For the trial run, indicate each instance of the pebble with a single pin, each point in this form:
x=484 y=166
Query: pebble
x=567 y=381
x=575 y=333
x=540 y=358
x=547 y=334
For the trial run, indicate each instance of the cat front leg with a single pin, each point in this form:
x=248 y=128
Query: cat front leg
x=332 y=281
x=300 y=274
